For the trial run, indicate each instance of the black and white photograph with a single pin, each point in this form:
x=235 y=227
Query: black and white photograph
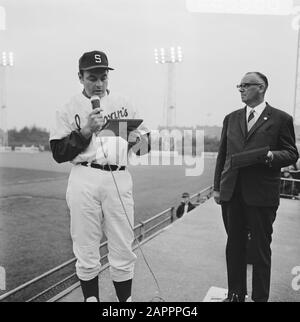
x=149 y=153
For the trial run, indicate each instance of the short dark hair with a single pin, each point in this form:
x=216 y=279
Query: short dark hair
x=262 y=77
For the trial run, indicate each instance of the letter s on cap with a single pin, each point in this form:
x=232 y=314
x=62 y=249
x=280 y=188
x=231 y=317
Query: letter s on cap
x=98 y=58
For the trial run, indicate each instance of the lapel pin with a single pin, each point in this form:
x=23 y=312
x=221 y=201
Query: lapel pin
x=265 y=118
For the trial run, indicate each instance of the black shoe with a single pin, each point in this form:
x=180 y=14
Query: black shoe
x=235 y=298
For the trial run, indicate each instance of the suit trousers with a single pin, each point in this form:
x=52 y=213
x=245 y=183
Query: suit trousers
x=240 y=218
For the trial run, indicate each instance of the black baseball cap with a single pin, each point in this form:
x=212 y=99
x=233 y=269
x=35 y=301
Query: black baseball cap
x=185 y=195
x=93 y=59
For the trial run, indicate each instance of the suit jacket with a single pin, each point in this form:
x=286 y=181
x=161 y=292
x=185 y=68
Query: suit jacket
x=260 y=183
x=180 y=209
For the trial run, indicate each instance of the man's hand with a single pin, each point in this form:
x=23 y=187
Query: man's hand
x=94 y=123
x=216 y=195
x=133 y=139
x=139 y=143
x=269 y=158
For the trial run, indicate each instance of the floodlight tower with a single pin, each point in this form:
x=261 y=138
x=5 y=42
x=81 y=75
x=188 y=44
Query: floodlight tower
x=296 y=113
x=6 y=62
x=170 y=56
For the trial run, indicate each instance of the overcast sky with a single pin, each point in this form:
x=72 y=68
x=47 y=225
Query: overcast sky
x=48 y=37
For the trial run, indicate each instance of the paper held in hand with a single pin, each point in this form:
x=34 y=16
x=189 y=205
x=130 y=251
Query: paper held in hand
x=251 y=157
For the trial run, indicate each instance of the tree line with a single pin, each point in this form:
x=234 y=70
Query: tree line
x=38 y=137
x=28 y=137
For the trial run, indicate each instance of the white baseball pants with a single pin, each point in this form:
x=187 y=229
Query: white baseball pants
x=95 y=208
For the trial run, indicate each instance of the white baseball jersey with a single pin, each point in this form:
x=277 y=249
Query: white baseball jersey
x=101 y=150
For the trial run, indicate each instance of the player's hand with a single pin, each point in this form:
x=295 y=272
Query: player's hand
x=94 y=123
x=216 y=195
x=134 y=140
x=134 y=137
x=269 y=157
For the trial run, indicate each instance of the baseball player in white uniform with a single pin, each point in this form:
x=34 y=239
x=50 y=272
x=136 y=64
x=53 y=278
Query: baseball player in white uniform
x=92 y=196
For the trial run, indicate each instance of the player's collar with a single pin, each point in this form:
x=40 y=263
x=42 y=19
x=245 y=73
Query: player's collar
x=86 y=95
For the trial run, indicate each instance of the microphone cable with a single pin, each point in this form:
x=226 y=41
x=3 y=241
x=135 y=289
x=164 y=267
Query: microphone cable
x=158 y=297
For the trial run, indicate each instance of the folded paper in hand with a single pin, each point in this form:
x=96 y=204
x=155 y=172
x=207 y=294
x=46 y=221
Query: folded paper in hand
x=251 y=157
x=120 y=127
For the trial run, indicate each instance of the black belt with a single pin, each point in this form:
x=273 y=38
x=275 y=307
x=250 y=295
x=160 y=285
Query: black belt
x=105 y=167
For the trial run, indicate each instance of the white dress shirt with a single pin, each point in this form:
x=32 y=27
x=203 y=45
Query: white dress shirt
x=257 y=111
x=186 y=209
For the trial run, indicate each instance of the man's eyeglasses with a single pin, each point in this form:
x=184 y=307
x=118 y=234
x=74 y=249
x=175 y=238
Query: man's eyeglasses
x=247 y=85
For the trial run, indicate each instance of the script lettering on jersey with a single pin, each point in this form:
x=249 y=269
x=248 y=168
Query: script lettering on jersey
x=122 y=113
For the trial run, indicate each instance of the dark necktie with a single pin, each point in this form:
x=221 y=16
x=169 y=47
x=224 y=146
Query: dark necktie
x=251 y=120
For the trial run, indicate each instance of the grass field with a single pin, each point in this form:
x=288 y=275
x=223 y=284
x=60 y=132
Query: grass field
x=34 y=219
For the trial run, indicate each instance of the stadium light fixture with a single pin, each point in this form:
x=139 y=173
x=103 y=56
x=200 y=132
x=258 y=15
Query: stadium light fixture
x=7 y=59
x=170 y=55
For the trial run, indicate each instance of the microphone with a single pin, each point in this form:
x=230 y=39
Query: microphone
x=95 y=100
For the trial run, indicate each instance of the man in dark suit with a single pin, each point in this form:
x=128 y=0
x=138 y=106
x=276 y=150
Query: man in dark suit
x=185 y=206
x=250 y=195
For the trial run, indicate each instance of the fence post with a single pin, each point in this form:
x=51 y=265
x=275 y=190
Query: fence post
x=173 y=214
x=198 y=201
x=2 y=279
x=211 y=192
x=142 y=236
x=293 y=190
